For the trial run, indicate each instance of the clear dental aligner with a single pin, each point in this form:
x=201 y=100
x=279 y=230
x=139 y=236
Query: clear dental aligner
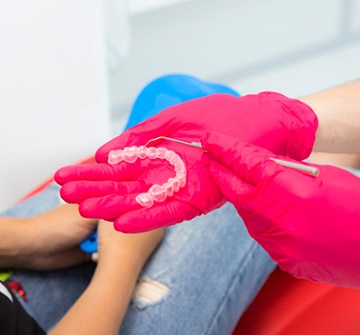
x=156 y=192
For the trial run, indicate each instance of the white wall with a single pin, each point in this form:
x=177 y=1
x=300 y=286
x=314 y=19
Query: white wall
x=54 y=107
x=53 y=101
x=295 y=47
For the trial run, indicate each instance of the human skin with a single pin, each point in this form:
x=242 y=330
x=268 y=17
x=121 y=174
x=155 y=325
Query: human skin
x=51 y=241
x=338 y=111
x=46 y=241
x=102 y=307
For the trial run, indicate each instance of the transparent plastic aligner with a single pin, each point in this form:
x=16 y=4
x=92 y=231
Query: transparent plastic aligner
x=174 y=159
x=161 y=152
x=156 y=193
x=116 y=156
x=143 y=152
x=169 y=154
x=145 y=199
x=176 y=184
x=152 y=153
x=131 y=154
x=169 y=189
x=182 y=179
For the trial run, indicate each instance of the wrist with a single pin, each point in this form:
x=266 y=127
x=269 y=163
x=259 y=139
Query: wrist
x=132 y=249
x=14 y=241
x=114 y=259
x=118 y=270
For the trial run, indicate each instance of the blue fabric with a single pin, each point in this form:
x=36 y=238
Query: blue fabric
x=170 y=90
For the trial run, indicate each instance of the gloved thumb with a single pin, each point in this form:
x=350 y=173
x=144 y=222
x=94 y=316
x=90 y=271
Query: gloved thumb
x=249 y=163
x=233 y=188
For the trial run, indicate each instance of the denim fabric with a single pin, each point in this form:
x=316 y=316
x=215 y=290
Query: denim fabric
x=50 y=293
x=210 y=266
x=213 y=270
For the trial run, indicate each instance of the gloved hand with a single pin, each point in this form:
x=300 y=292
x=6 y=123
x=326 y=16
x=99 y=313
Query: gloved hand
x=283 y=125
x=309 y=225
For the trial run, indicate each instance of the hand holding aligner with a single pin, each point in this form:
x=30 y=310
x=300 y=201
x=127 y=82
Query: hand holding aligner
x=156 y=192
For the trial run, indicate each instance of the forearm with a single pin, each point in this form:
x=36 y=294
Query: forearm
x=343 y=160
x=101 y=308
x=338 y=111
x=46 y=241
x=12 y=242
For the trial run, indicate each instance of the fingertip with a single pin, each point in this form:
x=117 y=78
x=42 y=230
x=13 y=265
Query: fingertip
x=106 y=208
x=129 y=222
x=127 y=227
x=67 y=193
x=60 y=175
x=95 y=257
x=101 y=155
x=88 y=209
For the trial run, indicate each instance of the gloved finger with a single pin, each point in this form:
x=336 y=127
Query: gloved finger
x=240 y=193
x=93 y=172
x=160 y=215
x=167 y=122
x=250 y=163
x=77 y=191
x=108 y=207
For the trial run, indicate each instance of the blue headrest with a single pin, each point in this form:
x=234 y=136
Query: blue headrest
x=169 y=90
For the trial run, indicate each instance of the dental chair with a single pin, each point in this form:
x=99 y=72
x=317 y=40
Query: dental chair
x=289 y=306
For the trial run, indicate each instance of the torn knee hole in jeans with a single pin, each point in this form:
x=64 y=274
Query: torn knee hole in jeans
x=149 y=291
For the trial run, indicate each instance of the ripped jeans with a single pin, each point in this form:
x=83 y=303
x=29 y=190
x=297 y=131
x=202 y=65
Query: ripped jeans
x=204 y=275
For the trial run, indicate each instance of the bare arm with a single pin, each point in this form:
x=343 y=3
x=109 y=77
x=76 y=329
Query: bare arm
x=102 y=306
x=338 y=110
x=43 y=242
x=51 y=240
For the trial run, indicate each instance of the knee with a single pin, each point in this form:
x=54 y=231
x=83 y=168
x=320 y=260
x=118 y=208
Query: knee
x=148 y=292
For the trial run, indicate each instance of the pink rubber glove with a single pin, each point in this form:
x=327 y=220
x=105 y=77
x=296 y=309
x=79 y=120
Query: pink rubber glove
x=309 y=225
x=281 y=124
